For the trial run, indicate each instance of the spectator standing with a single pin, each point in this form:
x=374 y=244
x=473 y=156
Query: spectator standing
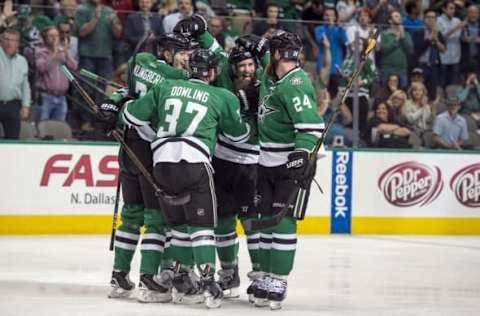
x=469 y=97
x=7 y=16
x=120 y=51
x=140 y=23
x=96 y=26
x=451 y=29
x=363 y=27
x=311 y=18
x=412 y=22
x=380 y=10
x=450 y=129
x=51 y=82
x=365 y=79
x=67 y=39
x=471 y=40
x=215 y=27
x=429 y=43
x=337 y=38
x=394 y=50
x=185 y=8
x=347 y=12
x=265 y=27
x=14 y=87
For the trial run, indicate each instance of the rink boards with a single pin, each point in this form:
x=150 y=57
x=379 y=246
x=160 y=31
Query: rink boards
x=69 y=188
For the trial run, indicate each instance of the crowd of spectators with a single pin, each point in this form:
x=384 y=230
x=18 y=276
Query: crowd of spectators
x=419 y=90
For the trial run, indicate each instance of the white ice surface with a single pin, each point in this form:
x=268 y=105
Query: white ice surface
x=333 y=275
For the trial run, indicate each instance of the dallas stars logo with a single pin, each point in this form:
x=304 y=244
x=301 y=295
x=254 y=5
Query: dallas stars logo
x=264 y=109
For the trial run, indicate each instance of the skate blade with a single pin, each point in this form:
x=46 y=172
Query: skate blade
x=119 y=293
x=275 y=305
x=260 y=302
x=234 y=292
x=180 y=298
x=148 y=296
x=211 y=302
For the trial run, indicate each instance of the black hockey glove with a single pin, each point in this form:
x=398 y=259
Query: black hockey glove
x=255 y=44
x=302 y=169
x=248 y=97
x=109 y=114
x=192 y=26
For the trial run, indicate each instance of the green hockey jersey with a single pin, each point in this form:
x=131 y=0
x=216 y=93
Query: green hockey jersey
x=147 y=72
x=245 y=153
x=188 y=115
x=288 y=119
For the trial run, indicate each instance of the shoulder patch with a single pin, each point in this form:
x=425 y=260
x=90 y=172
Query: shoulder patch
x=296 y=81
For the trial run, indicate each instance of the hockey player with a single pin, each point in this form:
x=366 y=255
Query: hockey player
x=188 y=115
x=289 y=128
x=141 y=206
x=235 y=165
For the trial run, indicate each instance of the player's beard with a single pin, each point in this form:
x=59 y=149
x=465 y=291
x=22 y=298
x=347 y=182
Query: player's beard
x=271 y=67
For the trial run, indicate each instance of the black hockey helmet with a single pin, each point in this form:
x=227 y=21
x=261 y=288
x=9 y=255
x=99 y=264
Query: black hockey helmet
x=176 y=42
x=288 y=44
x=201 y=61
x=240 y=53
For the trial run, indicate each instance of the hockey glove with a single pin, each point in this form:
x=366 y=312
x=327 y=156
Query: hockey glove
x=248 y=97
x=255 y=44
x=302 y=169
x=109 y=114
x=193 y=26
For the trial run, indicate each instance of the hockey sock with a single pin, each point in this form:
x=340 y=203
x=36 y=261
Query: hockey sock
x=253 y=245
x=180 y=249
x=265 y=246
x=153 y=241
x=284 y=244
x=227 y=242
x=152 y=249
x=203 y=245
x=167 y=261
x=127 y=236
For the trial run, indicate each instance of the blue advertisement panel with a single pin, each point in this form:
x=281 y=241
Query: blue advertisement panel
x=341 y=206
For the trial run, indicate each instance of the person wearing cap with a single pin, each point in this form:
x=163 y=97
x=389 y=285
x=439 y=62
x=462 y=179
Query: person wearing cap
x=14 y=87
x=51 y=81
x=450 y=129
x=416 y=75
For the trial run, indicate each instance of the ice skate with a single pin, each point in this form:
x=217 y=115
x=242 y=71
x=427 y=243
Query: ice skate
x=187 y=289
x=212 y=291
x=261 y=292
x=277 y=292
x=122 y=287
x=152 y=291
x=254 y=277
x=229 y=281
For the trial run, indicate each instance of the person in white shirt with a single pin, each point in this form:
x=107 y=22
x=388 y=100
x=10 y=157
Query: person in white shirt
x=185 y=8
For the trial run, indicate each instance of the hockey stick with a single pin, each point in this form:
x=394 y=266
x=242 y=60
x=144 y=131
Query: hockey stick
x=91 y=75
x=253 y=224
x=173 y=200
x=91 y=85
x=117 y=192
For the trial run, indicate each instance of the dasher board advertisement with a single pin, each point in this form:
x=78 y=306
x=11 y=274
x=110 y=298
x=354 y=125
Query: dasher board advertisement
x=54 y=179
x=416 y=184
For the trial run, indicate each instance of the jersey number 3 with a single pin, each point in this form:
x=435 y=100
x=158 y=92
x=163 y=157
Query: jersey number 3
x=174 y=108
